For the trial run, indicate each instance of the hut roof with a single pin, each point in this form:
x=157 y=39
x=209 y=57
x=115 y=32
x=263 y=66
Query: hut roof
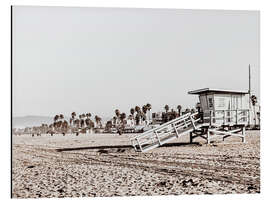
x=218 y=91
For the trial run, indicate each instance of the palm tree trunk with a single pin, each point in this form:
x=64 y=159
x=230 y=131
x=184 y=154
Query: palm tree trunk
x=255 y=122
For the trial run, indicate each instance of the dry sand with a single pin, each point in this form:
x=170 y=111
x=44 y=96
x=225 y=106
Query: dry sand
x=106 y=165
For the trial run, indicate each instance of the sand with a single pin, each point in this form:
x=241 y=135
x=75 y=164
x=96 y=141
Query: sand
x=92 y=165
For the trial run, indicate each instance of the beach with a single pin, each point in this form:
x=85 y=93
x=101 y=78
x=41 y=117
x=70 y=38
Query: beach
x=91 y=165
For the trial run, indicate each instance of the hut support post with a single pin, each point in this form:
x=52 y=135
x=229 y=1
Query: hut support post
x=244 y=134
x=190 y=137
x=208 y=137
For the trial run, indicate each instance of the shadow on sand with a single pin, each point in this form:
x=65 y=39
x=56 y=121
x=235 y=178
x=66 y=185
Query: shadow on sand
x=125 y=146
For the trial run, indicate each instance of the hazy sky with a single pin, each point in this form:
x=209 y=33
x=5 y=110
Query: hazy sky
x=99 y=59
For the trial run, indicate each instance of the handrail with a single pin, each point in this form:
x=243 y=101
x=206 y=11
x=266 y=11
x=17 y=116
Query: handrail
x=217 y=111
x=238 y=116
x=183 y=117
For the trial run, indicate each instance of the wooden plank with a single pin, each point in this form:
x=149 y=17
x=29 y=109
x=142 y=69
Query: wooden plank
x=192 y=122
x=225 y=133
x=176 y=131
x=158 y=138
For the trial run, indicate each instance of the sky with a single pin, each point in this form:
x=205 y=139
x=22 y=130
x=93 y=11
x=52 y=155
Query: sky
x=97 y=60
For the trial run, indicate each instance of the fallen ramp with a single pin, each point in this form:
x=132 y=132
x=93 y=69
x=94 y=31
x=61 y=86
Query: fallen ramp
x=165 y=133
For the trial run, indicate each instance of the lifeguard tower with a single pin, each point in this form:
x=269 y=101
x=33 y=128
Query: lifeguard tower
x=223 y=113
x=223 y=107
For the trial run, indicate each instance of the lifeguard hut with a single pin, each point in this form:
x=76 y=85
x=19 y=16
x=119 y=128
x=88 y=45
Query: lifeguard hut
x=223 y=107
x=223 y=113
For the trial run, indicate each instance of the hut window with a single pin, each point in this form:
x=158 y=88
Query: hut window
x=210 y=102
x=221 y=103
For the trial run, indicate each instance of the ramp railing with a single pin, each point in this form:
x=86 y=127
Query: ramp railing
x=165 y=132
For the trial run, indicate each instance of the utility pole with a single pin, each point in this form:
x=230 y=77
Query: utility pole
x=249 y=85
x=249 y=93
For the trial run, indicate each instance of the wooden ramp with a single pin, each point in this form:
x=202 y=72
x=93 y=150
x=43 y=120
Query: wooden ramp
x=166 y=132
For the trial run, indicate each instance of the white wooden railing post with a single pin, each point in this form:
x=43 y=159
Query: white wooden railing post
x=192 y=122
x=139 y=144
x=157 y=138
x=175 y=130
x=236 y=116
x=224 y=117
x=210 y=117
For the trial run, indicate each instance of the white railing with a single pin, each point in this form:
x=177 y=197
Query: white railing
x=223 y=117
x=160 y=133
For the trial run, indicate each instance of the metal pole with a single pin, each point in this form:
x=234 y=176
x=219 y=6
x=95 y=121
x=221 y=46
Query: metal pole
x=249 y=84
x=249 y=93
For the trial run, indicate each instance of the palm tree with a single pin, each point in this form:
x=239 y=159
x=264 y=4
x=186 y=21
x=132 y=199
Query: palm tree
x=132 y=111
x=87 y=123
x=77 y=123
x=59 y=125
x=98 y=121
x=179 y=108
x=166 y=107
x=149 y=107
x=144 y=109
x=187 y=110
x=143 y=113
x=254 y=101
x=114 y=120
x=88 y=115
x=138 y=115
x=143 y=116
x=122 y=117
x=108 y=126
x=56 y=117
x=61 y=116
x=137 y=109
x=80 y=118
x=117 y=113
x=82 y=123
x=72 y=119
x=137 y=119
x=64 y=127
x=73 y=114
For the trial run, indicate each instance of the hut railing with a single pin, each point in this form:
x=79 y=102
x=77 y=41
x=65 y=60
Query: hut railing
x=226 y=117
